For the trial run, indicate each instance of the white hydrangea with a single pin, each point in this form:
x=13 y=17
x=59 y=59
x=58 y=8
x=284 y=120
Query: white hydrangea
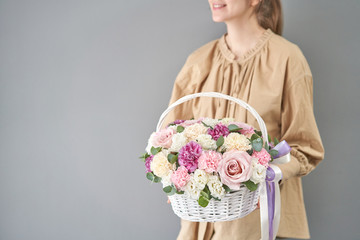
x=201 y=178
x=236 y=141
x=206 y=142
x=150 y=144
x=226 y=121
x=193 y=131
x=259 y=171
x=216 y=187
x=178 y=140
x=191 y=188
x=210 y=122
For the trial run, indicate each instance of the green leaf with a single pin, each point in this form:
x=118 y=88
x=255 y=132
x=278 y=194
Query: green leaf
x=154 y=151
x=179 y=192
x=273 y=152
x=258 y=132
x=227 y=189
x=180 y=129
x=254 y=136
x=157 y=179
x=233 y=128
x=251 y=185
x=220 y=141
x=267 y=146
x=150 y=176
x=169 y=190
x=250 y=152
x=203 y=201
x=276 y=141
x=217 y=199
x=172 y=158
x=207 y=125
x=204 y=194
x=144 y=156
x=269 y=138
x=257 y=144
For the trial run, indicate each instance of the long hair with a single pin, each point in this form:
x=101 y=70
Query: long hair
x=269 y=15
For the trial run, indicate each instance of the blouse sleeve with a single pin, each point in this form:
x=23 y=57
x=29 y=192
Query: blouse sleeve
x=299 y=128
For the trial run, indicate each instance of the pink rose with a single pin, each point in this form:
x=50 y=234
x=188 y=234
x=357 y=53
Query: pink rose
x=235 y=168
x=209 y=161
x=188 y=123
x=180 y=178
x=163 y=138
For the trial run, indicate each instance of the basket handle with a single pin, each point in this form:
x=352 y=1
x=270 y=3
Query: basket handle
x=216 y=95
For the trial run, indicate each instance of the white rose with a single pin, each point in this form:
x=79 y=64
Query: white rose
x=237 y=141
x=160 y=165
x=259 y=171
x=193 y=131
x=191 y=190
x=210 y=122
x=216 y=187
x=201 y=178
x=178 y=141
x=206 y=141
x=150 y=144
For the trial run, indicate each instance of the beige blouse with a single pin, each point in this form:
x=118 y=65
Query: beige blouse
x=275 y=79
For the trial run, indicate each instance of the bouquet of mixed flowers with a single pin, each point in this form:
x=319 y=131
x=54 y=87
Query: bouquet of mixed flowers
x=207 y=158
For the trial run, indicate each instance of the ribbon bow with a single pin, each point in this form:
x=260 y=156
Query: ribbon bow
x=270 y=193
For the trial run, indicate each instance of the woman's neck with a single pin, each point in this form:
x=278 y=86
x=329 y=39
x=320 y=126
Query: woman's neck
x=242 y=35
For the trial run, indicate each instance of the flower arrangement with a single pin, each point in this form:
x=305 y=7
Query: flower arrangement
x=207 y=158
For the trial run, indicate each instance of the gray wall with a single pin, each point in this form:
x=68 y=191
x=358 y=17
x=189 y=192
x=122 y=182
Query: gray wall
x=82 y=84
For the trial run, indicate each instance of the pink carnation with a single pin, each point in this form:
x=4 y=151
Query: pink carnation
x=189 y=155
x=180 y=177
x=148 y=161
x=219 y=130
x=263 y=156
x=209 y=161
x=163 y=138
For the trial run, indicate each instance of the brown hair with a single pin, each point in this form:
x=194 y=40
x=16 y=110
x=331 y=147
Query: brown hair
x=269 y=15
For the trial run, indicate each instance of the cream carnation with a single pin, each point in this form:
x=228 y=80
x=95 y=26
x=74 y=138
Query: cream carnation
x=206 y=142
x=227 y=121
x=237 y=141
x=193 y=131
x=191 y=189
x=201 y=178
x=149 y=145
x=178 y=140
x=259 y=171
x=216 y=187
x=166 y=180
x=160 y=165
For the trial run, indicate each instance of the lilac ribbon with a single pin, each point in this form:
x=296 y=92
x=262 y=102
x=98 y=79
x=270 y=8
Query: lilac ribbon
x=283 y=148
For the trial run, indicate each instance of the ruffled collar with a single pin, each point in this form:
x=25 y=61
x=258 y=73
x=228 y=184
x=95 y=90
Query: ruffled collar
x=228 y=54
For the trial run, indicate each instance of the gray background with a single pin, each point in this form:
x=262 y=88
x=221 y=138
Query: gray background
x=82 y=84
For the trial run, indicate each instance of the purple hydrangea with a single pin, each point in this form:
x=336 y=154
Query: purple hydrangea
x=189 y=155
x=148 y=160
x=219 y=130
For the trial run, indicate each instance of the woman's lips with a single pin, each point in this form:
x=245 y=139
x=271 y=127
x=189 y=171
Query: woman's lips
x=218 y=6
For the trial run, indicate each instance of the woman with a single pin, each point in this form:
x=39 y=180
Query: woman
x=254 y=63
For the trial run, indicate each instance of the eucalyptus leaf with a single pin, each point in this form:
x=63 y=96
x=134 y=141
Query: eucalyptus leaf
x=234 y=128
x=203 y=201
x=257 y=144
x=180 y=129
x=267 y=147
x=273 y=152
x=276 y=141
x=269 y=138
x=157 y=179
x=254 y=136
x=258 y=132
x=227 y=189
x=167 y=189
x=207 y=125
x=220 y=141
x=251 y=185
x=150 y=176
x=155 y=151
x=172 y=158
x=180 y=192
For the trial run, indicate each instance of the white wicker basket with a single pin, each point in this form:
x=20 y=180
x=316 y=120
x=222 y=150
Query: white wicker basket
x=233 y=205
